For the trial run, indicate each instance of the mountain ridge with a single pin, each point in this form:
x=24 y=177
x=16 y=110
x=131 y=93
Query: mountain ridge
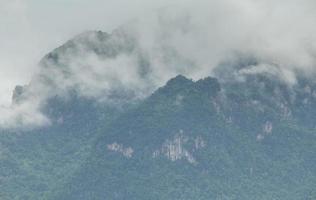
x=179 y=133
x=242 y=136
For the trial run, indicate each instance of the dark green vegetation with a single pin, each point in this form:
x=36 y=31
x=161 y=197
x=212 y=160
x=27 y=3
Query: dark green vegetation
x=214 y=138
x=248 y=152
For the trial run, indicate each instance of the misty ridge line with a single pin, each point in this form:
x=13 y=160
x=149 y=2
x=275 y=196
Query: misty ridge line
x=195 y=41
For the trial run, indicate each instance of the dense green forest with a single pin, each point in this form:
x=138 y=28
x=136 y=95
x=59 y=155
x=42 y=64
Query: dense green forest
x=214 y=138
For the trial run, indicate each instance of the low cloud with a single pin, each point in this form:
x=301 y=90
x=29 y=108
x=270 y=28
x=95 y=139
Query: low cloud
x=25 y=115
x=191 y=38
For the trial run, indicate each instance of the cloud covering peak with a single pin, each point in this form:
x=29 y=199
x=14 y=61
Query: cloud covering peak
x=191 y=38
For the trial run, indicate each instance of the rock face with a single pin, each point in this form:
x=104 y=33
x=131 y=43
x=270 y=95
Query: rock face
x=127 y=152
x=17 y=96
x=175 y=149
x=267 y=128
x=180 y=147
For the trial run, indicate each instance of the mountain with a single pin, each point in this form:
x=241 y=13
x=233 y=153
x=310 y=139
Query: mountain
x=33 y=161
x=221 y=137
x=181 y=144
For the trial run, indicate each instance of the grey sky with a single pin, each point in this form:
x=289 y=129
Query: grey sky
x=31 y=28
x=279 y=33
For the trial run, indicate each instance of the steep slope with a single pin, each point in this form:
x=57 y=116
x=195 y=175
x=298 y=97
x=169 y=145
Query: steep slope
x=238 y=136
x=193 y=140
x=34 y=161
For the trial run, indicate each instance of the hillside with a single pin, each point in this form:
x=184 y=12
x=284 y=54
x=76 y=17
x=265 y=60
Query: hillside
x=181 y=144
x=220 y=137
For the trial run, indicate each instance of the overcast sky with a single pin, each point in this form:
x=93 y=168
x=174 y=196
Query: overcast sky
x=281 y=34
x=31 y=28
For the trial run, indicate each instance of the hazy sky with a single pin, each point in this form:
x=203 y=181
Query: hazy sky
x=31 y=28
x=281 y=34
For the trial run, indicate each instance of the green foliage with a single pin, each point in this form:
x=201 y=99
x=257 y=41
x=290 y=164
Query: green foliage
x=72 y=161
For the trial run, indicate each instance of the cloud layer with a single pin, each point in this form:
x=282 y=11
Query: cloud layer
x=187 y=37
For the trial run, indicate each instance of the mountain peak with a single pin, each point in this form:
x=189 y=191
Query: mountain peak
x=180 y=86
x=208 y=84
x=90 y=33
x=180 y=82
x=17 y=95
x=179 y=79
